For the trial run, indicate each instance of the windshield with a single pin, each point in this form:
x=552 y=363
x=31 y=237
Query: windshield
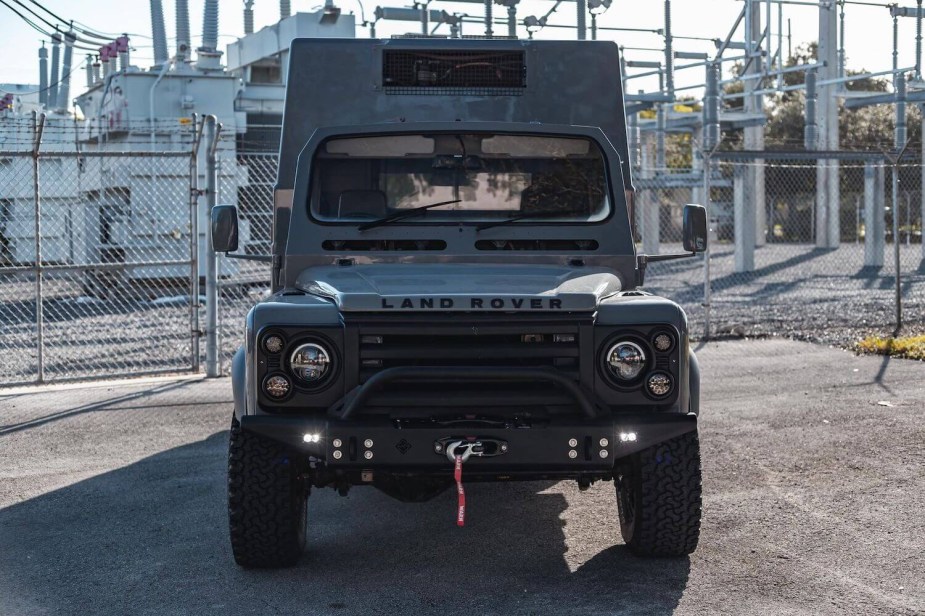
x=476 y=178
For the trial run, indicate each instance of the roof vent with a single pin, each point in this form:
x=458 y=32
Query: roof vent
x=443 y=72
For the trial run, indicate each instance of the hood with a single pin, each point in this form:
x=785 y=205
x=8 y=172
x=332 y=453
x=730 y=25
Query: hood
x=459 y=287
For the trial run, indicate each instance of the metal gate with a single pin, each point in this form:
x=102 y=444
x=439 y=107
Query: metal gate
x=97 y=262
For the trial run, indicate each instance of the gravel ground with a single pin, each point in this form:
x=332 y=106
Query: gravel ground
x=795 y=292
x=112 y=502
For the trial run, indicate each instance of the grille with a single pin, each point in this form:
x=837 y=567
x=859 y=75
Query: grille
x=453 y=72
x=385 y=344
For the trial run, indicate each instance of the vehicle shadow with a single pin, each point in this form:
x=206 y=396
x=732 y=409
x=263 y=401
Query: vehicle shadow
x=151 y=538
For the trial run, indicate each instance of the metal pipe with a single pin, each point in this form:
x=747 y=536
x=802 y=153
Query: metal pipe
x=722 y=48
x=423 y=12
x=211 y=133
x=841 y=40
x=164 y=68
x=512 y=20
x=43 y=75
x=195 y=305
x=896 y=263
x=899 y=82
x=895 y=42
x=918 y=40
x=823 y=82
x=581 y=7
x=810 y=132
x=669 y=51
x=593 y=26
x=780 y=45
x=38 y=128
x=711 y=103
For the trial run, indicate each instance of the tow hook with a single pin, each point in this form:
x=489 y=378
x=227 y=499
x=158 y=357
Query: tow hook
x=466 y=448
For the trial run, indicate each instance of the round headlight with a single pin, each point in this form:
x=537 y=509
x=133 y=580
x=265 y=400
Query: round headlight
x=659 y=384
x=626 y=360
x=277 y=386
x=310 y=363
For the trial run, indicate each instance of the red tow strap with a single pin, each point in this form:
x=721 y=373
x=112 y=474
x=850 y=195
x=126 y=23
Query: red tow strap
x=461 y=507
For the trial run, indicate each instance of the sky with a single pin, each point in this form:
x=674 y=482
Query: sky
x=868 y=29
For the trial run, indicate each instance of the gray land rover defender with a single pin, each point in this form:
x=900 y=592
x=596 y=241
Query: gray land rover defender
x=456 y=289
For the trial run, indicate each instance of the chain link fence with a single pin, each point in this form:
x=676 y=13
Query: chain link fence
x=781 y=281
x=98 y=252
x=95 y=263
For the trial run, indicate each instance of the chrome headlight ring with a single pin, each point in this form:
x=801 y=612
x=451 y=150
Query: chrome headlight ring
x=311 y=364
x=625 y=360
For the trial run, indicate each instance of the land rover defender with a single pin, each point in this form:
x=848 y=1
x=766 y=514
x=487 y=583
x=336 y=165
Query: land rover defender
x=456 y=294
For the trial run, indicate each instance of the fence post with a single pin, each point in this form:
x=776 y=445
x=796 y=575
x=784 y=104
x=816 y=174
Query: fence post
x=212 y=130
x=195 y=332
x=38 y=127
x=712 y=137
x=873 y=218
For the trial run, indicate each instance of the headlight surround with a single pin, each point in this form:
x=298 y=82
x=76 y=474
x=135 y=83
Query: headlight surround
x=311 y=363
x=625 y=360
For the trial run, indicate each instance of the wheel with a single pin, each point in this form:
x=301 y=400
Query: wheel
x=658 y=495
x=267 y=501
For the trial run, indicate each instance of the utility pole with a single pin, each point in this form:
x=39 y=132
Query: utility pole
x=749 y=215
x=828 y=231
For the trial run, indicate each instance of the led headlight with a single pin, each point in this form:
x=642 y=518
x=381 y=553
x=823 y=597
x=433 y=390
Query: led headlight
x=310 y=363
x=277 y=386
x=626 y=360
x=273 y=343
x=663 y=342
x=659 y=384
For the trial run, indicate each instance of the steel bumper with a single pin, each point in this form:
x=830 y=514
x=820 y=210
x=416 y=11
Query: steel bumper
x=573 y=444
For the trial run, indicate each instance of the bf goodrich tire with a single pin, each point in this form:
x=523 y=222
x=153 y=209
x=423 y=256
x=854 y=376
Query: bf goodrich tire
x=267 y=501
x=659 y=498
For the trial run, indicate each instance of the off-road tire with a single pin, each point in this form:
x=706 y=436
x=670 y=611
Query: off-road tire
x=267 y=501
x=659 y=498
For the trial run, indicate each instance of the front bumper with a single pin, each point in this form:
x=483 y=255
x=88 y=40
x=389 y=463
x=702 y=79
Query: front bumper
x=568 y=445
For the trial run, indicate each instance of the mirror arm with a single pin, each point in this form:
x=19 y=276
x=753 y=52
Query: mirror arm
x=260 y=258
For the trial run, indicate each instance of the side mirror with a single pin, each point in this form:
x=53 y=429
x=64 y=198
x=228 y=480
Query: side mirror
x=695 y=228
x=225 y=228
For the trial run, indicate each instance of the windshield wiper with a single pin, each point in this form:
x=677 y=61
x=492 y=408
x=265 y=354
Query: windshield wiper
x=399 y=214
x=512 y=219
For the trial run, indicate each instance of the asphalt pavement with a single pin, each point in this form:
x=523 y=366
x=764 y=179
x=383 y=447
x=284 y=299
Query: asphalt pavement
x=112 y=501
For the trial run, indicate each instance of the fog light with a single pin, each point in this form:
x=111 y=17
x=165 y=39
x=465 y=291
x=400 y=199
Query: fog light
x=659 y=384
x=311 y=438
x=277 y=386
x=273 y=344
x=628 y=437
x=662 y=342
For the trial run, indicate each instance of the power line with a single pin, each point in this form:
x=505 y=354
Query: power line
x=38 y=29
x=56 y=27
x=87 y=31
